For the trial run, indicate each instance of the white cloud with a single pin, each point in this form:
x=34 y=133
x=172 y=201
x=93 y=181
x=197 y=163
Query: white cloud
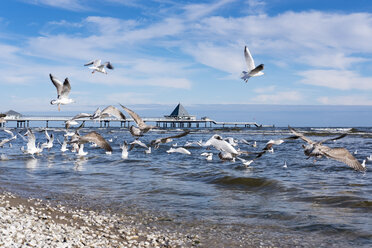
x=336 y=79
x=195 y=11
x=74 y=5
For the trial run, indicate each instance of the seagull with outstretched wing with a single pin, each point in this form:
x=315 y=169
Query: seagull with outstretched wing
x=253 y=71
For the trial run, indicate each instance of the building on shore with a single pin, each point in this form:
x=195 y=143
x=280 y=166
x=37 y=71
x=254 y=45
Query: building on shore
x=180 y=113
x=11 y=114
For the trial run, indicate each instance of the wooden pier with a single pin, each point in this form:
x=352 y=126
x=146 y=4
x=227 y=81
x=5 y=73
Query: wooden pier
x=24 y=122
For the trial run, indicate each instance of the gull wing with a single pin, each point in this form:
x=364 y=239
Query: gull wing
x=31 y=140
x=109 y=65
x=96 y=62
x=111 y=110
x=178 y=135
x=258 y=70
x=81 y=115
x=300 y=135
x=343 y=155
x=137 y=119
x=66 y=88
x=58 y=84
x=9 y=132
x=248 y=59
x=96 y=138
x=332 y=139
x=47 y=135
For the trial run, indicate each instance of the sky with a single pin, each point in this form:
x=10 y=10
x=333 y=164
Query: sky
x=315 y=52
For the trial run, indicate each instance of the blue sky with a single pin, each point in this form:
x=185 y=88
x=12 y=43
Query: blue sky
x=165 y=52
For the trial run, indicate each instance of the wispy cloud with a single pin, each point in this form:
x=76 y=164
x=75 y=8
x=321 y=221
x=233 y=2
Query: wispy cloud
x=336 y=79
x=74 y=5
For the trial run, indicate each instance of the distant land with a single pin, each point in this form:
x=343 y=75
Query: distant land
x=279 y=115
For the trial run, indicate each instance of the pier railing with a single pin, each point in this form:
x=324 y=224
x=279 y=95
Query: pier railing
x=25 y=121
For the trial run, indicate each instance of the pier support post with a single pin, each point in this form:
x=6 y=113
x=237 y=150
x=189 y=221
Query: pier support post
x=28 y=123
x=47 y=124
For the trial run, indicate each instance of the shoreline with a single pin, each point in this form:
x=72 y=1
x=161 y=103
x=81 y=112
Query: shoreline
x=37 y=223
x=33 y=222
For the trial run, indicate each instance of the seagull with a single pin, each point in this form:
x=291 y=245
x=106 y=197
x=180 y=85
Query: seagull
x=179 y=150
x=285 y=164
x=246 y=163
x=159 y=141
x=269 y=146
x=97 y=66
x=135 y=131
x=124 y=150
x=81 y=151
x=93 y=137
x=4 y=141
x=364 y=164
x=317 y=149
x=64 y=144
x=107 y=112
x=253 y=71
x=62 y=91
x=217 y=142
x=137 y=142
x=70 y=122
x=144 y=128
x=208 y=155
x=31 y=146
x=50 y=139
x=226 y=156
x=192 y=143
x=98 y=114
x=11 y=133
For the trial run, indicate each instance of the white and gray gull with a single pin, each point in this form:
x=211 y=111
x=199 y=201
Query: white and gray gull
x=63 y=90
x=253 y=71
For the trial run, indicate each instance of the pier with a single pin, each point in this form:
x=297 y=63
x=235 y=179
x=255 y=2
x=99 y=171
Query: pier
x=58 y=121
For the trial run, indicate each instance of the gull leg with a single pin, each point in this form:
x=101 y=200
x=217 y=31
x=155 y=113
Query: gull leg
x=59 y=107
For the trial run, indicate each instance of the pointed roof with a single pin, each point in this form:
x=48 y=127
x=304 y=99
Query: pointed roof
x=179 y=111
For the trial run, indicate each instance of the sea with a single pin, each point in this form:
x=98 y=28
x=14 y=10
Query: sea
x=315 y=202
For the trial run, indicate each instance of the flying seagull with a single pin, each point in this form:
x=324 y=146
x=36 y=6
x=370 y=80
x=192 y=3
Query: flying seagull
x=179 y=150
x=93 y=137
x=317 y=149
x=253 y=71
x=164 y=140
x=62 y=91
x=144 y=128
x=97 y=66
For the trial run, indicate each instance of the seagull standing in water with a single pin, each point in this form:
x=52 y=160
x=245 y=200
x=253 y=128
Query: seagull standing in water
x=253 y=71
x=63 y=90
x=97 y=66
